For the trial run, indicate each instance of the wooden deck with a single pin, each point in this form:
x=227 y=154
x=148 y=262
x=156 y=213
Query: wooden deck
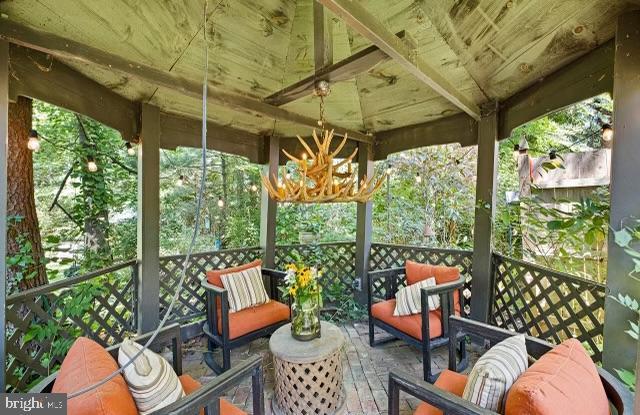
x=365 y=370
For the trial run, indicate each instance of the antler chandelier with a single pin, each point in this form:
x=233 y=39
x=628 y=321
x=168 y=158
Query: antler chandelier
x=318 y=177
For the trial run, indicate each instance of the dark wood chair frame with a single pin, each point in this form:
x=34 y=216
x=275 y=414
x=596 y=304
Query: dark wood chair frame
x=221 y=339
x=391 y=278
x=208 y=395
x=619 y=396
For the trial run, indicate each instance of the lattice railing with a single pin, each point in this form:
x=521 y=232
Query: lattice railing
x=336 y=259
x=385 y=256
x=191 y=300
x=547 y=304
x=43 y=322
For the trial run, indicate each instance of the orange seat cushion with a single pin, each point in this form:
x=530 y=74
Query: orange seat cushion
x=411 y=325
x=563 y=381
x=87 y=363
x=416 y=272
x=190 y=385
x=449 y=381
x=255 y=318
x=213 y=276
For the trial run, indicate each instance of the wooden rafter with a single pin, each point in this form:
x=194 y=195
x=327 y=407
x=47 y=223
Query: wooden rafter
x=348 y=68
x=368 y=26
x=69 y=49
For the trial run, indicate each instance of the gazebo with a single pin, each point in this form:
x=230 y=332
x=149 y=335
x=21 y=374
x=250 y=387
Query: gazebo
x=403 y=75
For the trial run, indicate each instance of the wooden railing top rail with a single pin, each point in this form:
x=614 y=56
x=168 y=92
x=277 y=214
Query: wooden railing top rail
x=551 y=272
x=66 y=282
x=196 y=254
x=317 y=244
x=427 y=248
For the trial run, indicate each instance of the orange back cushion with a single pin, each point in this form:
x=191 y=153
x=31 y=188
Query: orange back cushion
x=213 y=276
x=416 y=272
x=86 y=364
x=563 y=381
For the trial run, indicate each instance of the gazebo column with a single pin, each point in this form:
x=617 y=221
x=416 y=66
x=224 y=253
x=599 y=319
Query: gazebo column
x=485 y=207
x=363 y=222
x=149 y=220
x=268 y=206
x=4 y=142
x=619 y=348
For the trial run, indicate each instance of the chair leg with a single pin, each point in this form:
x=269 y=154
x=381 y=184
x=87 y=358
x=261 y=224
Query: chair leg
x=226 y=359
x=426 y=364
x=372 y=340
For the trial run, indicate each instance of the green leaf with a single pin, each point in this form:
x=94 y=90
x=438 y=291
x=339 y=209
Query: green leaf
x=622 y=237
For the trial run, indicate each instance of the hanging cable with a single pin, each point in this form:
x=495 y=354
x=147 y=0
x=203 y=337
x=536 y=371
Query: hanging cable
x=196 y=228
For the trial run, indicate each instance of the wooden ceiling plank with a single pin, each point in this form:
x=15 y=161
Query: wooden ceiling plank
x=368 y=26
x=68 y=49
x=585 y=77
x=322 y=37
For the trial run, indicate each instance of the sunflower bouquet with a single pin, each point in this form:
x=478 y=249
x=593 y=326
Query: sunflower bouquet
x=305 y=291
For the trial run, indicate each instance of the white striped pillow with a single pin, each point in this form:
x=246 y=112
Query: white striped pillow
x=151 y=379
x=495 y=372
x=245 y=289
x=408 y=298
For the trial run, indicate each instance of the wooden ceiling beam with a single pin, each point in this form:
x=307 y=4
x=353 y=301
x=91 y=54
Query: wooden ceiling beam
x=368 y=26
x=322 y=37
x=36 y=75
x=72 y=50
x=459 y=128
x=348 y=68
x=177 y=131
x=585 y=77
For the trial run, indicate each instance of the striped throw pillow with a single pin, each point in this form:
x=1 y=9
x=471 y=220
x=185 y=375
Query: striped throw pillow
x=245 y=288
x=408 y=298
x=151 y=379
x=495 y=372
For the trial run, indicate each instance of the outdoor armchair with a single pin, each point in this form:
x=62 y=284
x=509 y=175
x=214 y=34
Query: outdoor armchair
x=427 y=330
x=227 y=330
x=199 y=399
x=445 y=394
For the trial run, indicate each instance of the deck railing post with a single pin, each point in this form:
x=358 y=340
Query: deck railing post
x=363 y=223
x=268 y=206
x=619 y=348
x=4 y=142
x=148 y=288
x=485 y=206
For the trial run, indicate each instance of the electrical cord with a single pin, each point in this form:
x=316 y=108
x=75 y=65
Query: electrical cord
x=196 y=229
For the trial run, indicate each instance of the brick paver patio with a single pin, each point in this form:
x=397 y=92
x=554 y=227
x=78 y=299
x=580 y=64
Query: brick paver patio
x=365 y=370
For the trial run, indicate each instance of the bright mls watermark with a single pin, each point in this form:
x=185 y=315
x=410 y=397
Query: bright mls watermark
x=33 y=404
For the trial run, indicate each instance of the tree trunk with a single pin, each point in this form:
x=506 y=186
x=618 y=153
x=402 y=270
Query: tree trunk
x=20 y=201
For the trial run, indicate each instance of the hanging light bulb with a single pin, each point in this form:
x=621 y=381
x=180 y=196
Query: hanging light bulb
x=553 y=155
x=516 y=151
x=220 y=202
x=418 y=178
x=254 y=188
x=130 y=150
x=607 y=133
x=388 y=169
x=34 y=142
x=304 y=156
x=180 y=181
x=91 y=164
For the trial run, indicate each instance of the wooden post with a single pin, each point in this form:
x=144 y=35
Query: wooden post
x=269 y=207
x=485 y=207
x=620 y=350
x=4 y=145
x=149 y=220
x=363 y=223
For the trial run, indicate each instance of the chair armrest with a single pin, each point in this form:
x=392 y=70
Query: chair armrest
x=446 y=287
x=389 y=277
x=275 y=277
x=208 y=395
x=619 y=396
x=448 y=402
x=385 y=273
x=216 y=290
x=215 y=293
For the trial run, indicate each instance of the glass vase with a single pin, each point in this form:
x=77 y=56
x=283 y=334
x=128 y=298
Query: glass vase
x=305 y=317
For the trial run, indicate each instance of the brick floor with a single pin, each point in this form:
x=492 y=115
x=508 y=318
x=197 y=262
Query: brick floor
x=365 y=370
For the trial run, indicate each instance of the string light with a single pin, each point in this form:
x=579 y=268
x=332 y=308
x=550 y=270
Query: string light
x=220 y=202
x=516 y=151
x=607 y=133
x=180 y=181
x=130 y=150
x=91 y=164
x=388 y=169
x=34 y=142
x=418 y=178
x=254 y=188
x=552 y=154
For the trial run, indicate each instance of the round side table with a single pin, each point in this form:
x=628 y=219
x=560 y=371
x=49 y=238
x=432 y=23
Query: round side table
x=308 y=374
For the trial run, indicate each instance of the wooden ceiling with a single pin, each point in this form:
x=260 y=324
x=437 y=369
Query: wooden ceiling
x=487 y=49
